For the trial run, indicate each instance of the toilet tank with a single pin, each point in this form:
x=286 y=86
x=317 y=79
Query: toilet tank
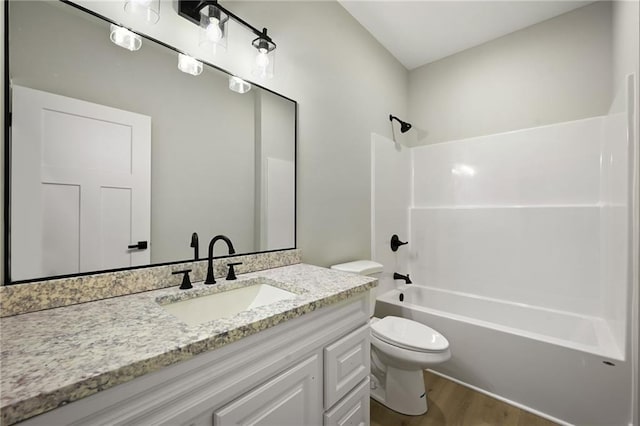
x=363 y=267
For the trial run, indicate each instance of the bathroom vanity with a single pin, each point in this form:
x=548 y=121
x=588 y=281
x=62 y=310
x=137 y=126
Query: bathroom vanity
x=96 y=334
x=127 y=360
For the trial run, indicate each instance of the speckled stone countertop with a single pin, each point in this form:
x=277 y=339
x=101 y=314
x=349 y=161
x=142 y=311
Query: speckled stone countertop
x=53 y=357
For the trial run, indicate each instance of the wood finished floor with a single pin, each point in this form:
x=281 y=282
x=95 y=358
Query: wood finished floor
x=451 y=404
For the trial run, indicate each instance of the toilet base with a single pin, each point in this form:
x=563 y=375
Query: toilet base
x=403 y=391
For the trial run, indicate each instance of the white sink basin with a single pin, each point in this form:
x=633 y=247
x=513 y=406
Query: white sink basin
x=199 y=310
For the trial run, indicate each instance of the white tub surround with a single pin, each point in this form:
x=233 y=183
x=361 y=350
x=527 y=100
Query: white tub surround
x=53 y=357
x=524 y=217
x=390 y=199
x=524 y=238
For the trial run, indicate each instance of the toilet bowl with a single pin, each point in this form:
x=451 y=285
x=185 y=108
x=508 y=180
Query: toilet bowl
x=400 y=350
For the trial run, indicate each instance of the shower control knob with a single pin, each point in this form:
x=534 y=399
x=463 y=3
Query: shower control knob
x=395 y=242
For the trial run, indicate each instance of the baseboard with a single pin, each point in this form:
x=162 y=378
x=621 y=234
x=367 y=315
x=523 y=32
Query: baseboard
x=503 y=399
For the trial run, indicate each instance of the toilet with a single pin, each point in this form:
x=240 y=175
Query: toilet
x=400 y=349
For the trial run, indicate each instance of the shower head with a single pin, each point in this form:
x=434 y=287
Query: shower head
x=404 y=126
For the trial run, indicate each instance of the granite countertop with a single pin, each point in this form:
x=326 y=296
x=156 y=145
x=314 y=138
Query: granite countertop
x=53 y=357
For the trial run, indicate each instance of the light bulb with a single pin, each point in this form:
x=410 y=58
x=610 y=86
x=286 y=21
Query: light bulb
x=238 y=85
x=262 y=59
x=149 y=10
x=189 y=65
x=213 y=30
x=125 y=38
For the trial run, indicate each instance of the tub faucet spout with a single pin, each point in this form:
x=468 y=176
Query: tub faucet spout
x=397 y=276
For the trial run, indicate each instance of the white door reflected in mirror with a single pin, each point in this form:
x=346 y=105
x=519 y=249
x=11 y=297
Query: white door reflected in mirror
x=84 y=171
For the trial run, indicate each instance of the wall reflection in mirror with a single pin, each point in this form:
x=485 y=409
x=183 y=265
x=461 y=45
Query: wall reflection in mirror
x=112 y=147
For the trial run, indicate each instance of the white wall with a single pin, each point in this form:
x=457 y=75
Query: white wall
x=555 y=71
x=346 y=84
x=626 y=36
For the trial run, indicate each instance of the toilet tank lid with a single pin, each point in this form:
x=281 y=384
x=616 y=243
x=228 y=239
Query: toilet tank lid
x=362 y=267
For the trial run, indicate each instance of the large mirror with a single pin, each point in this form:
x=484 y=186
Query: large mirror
x=112 y=148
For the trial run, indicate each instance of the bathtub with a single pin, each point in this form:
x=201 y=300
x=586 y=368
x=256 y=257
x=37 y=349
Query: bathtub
x=559 y=365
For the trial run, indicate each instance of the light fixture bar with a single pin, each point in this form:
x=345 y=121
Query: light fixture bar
x=190 y=9
x=199 y=11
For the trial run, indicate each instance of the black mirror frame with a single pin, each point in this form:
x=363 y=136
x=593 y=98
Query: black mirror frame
x=7 y=160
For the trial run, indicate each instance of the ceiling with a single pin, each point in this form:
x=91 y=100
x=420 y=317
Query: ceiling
x=418 y=32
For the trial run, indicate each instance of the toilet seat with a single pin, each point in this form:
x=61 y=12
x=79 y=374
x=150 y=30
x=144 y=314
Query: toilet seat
x=408 y=334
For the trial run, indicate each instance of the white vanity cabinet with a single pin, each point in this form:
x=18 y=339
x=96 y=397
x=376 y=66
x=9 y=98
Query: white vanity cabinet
x=310 y=370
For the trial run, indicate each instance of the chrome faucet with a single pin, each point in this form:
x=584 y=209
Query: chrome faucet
x=210 y=279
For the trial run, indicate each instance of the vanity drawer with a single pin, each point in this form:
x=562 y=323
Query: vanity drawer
x=290 y=398
x=346 y=363
x=352 y=410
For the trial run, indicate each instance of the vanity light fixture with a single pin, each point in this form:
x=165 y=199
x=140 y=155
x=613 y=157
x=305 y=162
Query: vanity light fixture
x=265 y=56
x=148 y=10
x=238 y=85
x=212 y=18
x=125 y=38
x=189 y=65
x=213 y=27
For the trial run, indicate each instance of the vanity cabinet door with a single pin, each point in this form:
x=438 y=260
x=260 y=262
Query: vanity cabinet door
x=292 y=398
x=346 y=363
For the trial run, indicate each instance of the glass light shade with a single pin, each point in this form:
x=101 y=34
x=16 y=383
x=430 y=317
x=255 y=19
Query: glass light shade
x=238 y=85
x=189 y=65
x=125 y=38
x=213 y=28
x=264 y=60
x=147 y=10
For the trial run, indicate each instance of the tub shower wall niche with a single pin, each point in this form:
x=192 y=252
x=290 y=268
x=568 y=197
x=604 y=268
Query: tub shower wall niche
x=520 y=239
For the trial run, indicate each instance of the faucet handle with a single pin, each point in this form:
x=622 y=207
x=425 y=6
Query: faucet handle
x=186 y=282
x=232 y=273
x=396 y=243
